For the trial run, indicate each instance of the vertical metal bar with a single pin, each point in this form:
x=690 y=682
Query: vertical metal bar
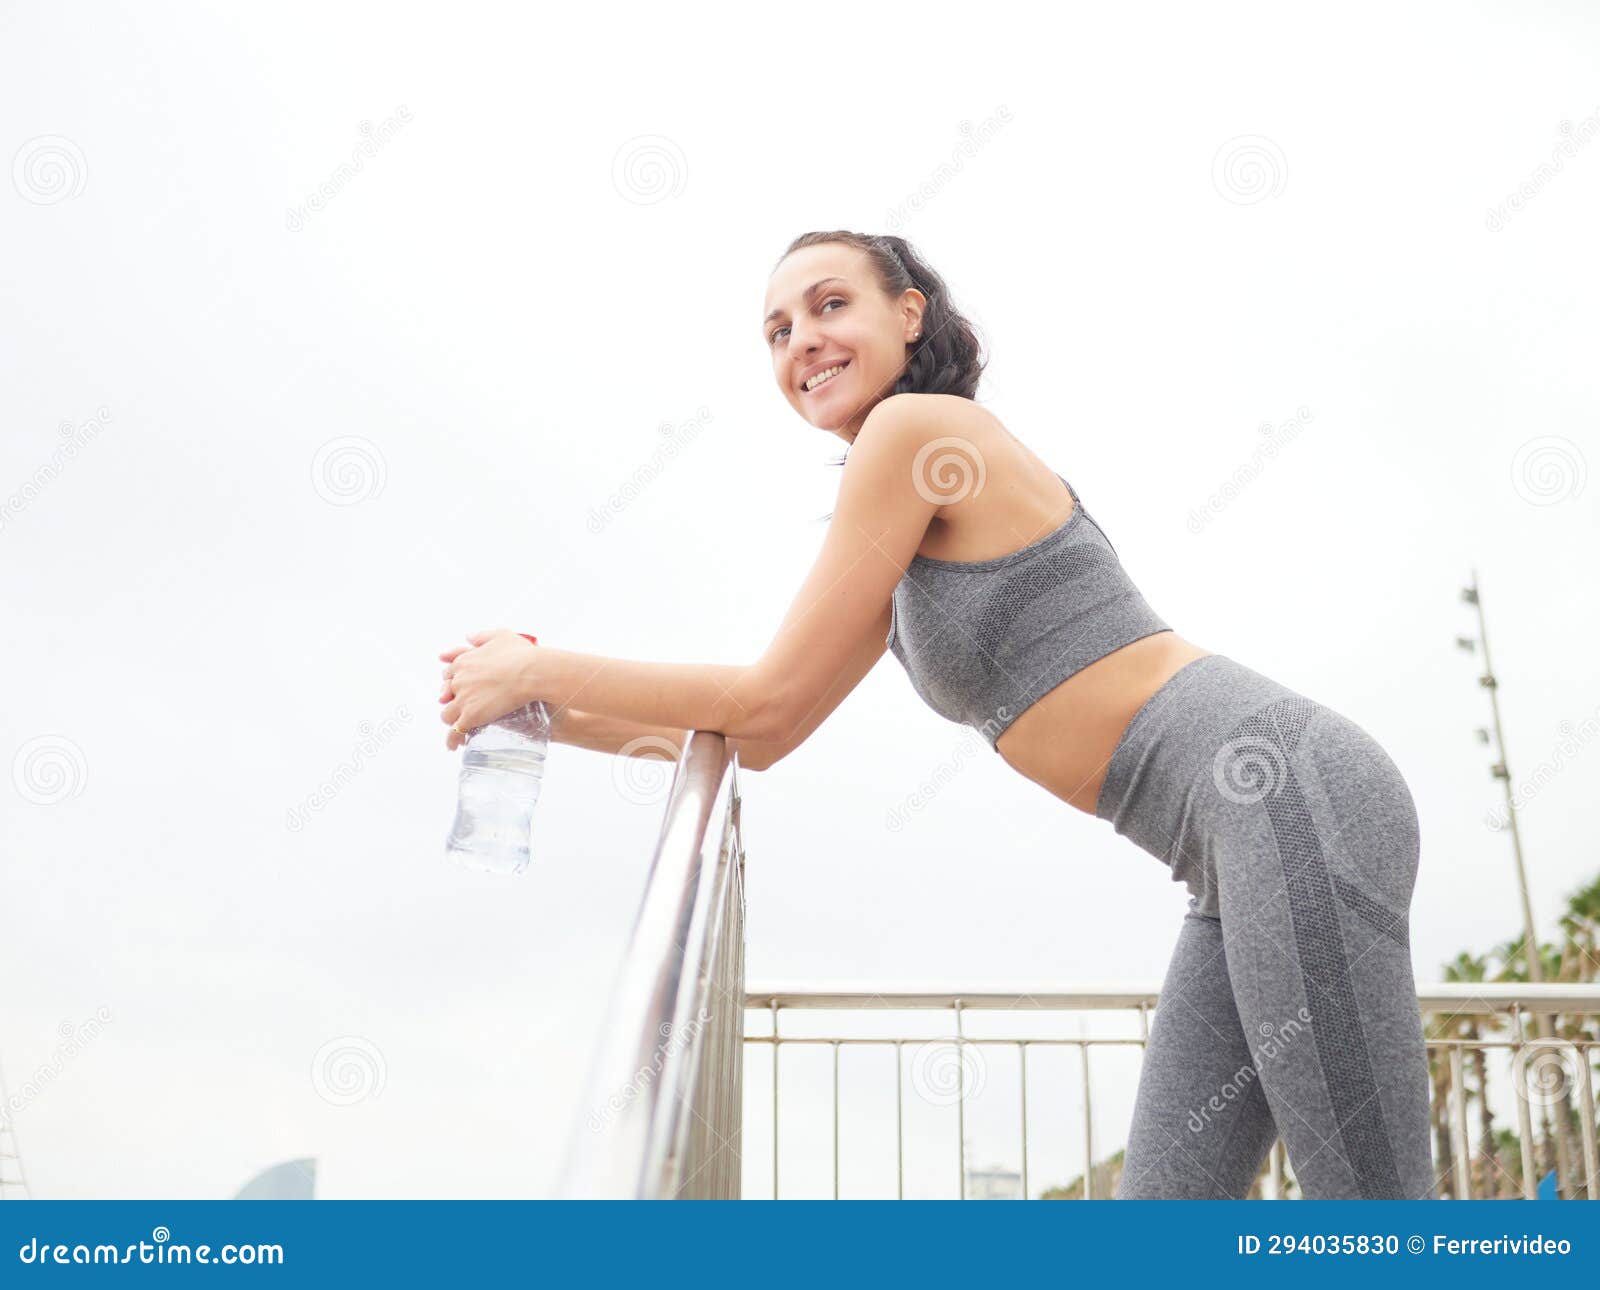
x=1088 y=1121
x=899 y=1144
x=961 y=1103
x=775 y=1099
x=1275 y=1169
x=1458 y=1125
x=1530 y=1181
x=836 y=1119
x=1022 y=1061
x=1591 y=1164
x=1088 y=1124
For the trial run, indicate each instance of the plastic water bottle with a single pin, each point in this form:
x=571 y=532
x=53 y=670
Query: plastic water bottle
x=502 y=767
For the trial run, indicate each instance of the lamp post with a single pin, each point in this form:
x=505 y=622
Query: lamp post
x=1543 y=1023
x=1501 y=771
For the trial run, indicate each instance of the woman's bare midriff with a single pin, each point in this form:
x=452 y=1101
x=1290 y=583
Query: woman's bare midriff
x=1064 y=741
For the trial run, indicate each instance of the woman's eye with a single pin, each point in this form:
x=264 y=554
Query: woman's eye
x=776 y=331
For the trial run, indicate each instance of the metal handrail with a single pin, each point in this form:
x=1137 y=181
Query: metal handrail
x=1447 y=998
x=669 y=1065
x=1476 y=998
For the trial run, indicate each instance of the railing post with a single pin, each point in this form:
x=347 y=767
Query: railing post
x=1022 y=1062
x=1458 y=1124
x=775 y=1048
x=1591 y=1150
x=899 y=1125
x=961 y=1103
x=1088 y=1123
x=1530 y=1171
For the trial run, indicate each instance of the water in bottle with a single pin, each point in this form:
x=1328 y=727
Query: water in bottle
x=502 y=767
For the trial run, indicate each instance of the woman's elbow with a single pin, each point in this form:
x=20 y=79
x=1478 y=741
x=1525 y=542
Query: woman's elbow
x=754 y=755
x=768 y=720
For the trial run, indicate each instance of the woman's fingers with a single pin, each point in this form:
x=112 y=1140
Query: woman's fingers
x=447 y=692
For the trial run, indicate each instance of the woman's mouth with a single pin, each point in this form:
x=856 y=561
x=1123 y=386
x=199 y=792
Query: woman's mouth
x=824 y=377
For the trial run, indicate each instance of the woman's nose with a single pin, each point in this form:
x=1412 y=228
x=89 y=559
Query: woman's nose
x=804 y=344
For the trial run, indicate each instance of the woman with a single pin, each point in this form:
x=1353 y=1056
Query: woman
x=1289 y=1007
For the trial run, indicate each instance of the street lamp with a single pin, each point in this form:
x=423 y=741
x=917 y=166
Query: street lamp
x=1501 y=770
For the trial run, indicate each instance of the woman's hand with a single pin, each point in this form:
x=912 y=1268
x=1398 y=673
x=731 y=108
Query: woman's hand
x=485 y=680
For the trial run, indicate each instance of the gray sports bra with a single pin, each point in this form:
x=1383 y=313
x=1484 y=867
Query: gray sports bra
x=984 y=640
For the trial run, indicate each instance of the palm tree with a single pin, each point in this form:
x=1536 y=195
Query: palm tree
x=1441 y=1026
x=1580 y=925
x=1468 y=968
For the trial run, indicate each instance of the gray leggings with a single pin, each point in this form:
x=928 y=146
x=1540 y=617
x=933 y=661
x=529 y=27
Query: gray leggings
x=1289 y=1008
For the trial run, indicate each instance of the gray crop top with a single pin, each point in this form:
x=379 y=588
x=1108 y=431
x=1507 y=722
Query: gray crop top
x=984 y=640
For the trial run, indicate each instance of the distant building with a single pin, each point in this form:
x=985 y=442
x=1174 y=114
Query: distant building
x=291 y=1180
x=994 y=1183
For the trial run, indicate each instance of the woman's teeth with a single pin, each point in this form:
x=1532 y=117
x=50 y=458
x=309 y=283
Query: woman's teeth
x=822 y=378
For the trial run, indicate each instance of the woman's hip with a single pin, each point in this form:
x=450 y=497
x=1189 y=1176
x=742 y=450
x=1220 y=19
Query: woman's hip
x=1222 y=758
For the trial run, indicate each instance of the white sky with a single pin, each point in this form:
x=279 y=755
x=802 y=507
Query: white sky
x=485 y=305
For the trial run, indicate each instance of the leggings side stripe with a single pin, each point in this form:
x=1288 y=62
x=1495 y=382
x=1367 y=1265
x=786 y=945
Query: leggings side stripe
x=1325 y=972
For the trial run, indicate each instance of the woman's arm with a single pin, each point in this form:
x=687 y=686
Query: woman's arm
x=889 y=494
x=884 y=507
x=637 y=739
x=640 y=739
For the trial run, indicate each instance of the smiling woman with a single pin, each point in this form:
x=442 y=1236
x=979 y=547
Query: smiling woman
x=957 y=547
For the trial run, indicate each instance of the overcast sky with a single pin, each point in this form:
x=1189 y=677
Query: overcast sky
x=267 y=452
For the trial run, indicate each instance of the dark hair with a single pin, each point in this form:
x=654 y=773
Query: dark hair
x=945 y=359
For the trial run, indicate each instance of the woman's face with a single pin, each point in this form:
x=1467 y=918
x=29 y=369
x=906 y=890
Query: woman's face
x=823 y=309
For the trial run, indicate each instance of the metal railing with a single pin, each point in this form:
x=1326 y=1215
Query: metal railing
x=669 y=1067
x=670 y=1063
x=1534 y=1060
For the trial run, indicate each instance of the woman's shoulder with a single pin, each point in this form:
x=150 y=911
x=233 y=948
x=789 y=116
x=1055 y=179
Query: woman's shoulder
x=930 y=417
x=957 y=448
